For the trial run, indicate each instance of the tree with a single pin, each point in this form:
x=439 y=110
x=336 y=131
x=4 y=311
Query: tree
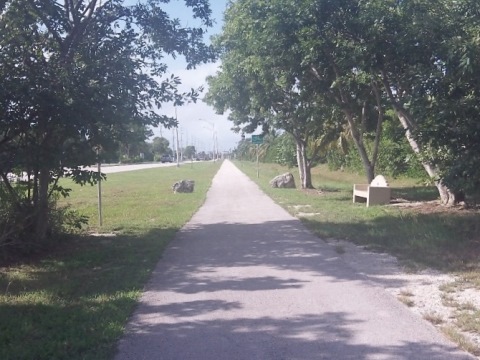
x=420 y=75
x=160 y=146
x=300 y=74
x=190 y=152
x=407 y=55
x=79 y=74
x=452 y=124
x=295 y=65
x=262 y=78
x=335 y=61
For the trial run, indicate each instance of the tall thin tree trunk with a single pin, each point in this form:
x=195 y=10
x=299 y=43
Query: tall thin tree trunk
x=447 y=196
x=357 y=139
x=379 y=129
x=304 y=166
x=357 y=128
x=300 y=162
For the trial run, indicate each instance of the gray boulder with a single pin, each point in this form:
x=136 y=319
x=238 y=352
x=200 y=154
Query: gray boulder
x=286 y=181
x=183 y=186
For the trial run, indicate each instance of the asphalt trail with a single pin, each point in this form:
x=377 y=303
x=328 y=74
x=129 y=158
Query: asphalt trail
x=245 y=280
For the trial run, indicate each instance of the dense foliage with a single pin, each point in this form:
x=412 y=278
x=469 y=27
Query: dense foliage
x=78 y=78
x=303 y=66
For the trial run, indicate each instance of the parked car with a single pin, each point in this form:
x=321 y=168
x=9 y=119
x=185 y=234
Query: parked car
x=166 y=158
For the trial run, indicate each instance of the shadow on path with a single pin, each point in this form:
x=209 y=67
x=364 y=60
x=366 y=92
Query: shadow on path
x=245 y=280
x=270 y=291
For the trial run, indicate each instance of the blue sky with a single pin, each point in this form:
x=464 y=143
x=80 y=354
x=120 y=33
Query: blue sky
x=198 y=121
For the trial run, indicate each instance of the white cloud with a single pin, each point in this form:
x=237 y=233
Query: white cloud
x=195 y=131
x=196 y=119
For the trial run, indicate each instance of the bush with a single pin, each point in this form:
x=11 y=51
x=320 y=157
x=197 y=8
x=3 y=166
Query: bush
x=17 y=225
x=336 y=160
x=395 y=156
x=286 y=151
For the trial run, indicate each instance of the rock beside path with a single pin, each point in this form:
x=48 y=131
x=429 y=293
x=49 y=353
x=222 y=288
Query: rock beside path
x=183 y=186
x=286 y=181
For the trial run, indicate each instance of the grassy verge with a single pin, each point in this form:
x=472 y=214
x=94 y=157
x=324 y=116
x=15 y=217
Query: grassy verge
x=427 y=235
x=74 y=303
x=431 y=236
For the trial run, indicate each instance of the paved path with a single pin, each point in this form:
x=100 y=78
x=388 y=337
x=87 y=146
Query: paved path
x=245 y=280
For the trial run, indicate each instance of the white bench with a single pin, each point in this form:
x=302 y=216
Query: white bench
x=377 y=193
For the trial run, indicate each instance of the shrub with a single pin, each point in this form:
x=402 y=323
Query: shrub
x=17 y=228
x=286 y=151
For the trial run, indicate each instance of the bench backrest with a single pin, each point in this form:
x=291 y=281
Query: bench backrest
x=379 y=181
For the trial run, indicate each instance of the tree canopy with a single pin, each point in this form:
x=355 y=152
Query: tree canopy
x=262 y=79
x=79 y=75
x=363 y=60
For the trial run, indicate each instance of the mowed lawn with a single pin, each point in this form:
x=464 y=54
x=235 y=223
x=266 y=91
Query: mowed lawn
x=73 y=302
x=427 y=234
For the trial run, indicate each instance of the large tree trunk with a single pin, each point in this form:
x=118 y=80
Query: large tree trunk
x=300 y=159
x=447 y=196
x=308 y=176
x=304 y=168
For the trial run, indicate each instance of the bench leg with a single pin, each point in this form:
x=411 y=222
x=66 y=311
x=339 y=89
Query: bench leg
x=357 y=198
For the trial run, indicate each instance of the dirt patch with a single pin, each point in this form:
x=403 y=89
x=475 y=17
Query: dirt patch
x=319 y=192
x=433 y=207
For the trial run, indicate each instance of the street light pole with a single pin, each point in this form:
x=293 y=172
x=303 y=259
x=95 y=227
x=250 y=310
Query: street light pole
x=214 y=153
x=212 y=125
x=176 y=130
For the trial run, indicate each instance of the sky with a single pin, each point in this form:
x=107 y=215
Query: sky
x=198 y=123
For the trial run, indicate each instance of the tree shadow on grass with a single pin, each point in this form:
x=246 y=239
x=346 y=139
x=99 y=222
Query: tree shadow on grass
x=416 y=193
x=443 y=241
x=73 y=302
x=88 y=294
x=86 y=329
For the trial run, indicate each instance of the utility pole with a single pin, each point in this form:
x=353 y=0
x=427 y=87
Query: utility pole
x=214 y=135
x=176 y=131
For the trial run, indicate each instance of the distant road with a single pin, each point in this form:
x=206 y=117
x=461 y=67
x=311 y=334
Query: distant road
x=110 y=169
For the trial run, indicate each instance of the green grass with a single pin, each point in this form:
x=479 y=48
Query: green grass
x=74 y=302
x=138 y=200
x=461 y=340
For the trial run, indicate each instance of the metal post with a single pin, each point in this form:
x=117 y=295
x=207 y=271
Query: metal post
x=213 y=135
x=258 y=166
x=176 y=131
x=99 y=169
x=212 y=126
